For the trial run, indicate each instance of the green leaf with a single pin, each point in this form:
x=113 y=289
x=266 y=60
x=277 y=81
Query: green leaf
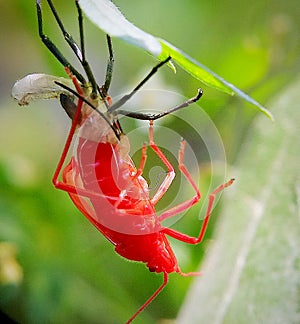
x=105 y=15
x=204 y=74
x=251 y=274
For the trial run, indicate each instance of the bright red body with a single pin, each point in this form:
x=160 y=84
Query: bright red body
x=110 y=191
x=101 y=169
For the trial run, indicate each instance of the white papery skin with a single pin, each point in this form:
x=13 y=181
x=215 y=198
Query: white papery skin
x=39 y=86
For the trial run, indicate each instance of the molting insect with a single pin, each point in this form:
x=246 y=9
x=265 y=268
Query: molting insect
x=100 y=178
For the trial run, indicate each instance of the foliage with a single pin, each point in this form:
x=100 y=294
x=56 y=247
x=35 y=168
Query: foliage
x=251 y=274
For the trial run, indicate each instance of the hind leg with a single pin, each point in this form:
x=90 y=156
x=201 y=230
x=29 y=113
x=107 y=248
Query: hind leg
x=195 y=240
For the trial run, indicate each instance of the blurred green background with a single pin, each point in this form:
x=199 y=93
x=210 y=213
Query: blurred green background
x=54 y=266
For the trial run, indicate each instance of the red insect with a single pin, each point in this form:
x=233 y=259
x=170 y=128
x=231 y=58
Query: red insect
x=101 y=178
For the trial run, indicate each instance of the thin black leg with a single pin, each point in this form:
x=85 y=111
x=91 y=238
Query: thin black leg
x=125 y=98
x=110 y=65
x=83 y=60
x=69 y=39
x=52 y=48
x=80 y=53
x=148 y=116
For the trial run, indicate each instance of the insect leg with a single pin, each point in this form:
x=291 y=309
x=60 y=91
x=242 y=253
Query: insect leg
x=52 y=48
x=69 y=186
x=147 y=116
x=109 y=69
x=189 y=203
x=82 y=59
x=110 y=64
x=80 y=54
x=170 y=175
x=66 y=148
x=168 y=179
x=142 y=162
x=67 y=144
x=138 y=173
x=166 y=278
x=125 y=98
x=190 y=239
x=69 y=39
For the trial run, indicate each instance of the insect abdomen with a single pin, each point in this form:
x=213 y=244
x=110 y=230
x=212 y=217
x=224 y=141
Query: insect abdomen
x=152 y=249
